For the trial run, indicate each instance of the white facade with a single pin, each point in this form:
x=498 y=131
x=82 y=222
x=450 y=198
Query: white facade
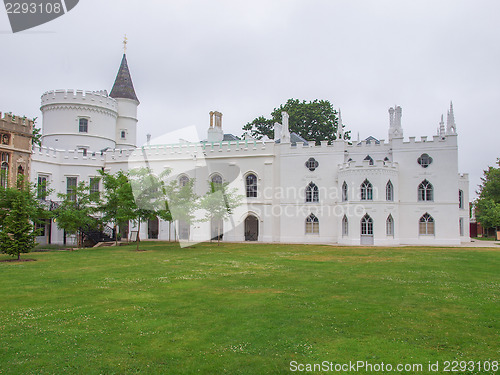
x=305 y=193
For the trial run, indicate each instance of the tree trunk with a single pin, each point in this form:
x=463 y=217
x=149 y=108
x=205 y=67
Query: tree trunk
x=138 y=231
x=169 y=231
x=18 y=256
x=116 y=235
x=218 y=233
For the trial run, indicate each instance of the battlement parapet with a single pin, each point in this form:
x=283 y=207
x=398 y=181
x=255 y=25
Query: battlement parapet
x=79 y=97
x=17 y=120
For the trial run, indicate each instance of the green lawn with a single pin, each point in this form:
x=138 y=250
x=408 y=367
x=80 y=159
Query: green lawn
x=246 y=309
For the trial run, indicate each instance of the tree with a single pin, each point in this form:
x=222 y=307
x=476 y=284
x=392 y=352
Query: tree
x=76 y=212
x=117 y=201
x=314 y=121
x=488 y=203
x=219 y=203
x=20 y=211
x=182 y=201
x=36 y=138
x=149 y=195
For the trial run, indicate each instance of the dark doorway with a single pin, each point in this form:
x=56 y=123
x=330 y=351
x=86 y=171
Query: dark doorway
x=251 y=228
x=153 y=227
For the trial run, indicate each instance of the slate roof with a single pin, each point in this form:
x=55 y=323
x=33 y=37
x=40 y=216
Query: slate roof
x=369 y=140
x=123 y=87
x=230 y=137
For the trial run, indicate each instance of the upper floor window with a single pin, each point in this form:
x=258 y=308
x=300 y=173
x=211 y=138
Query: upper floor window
x=424 y=160
x=217 y=181
x=312 y=193
x=83 y=150
x=345 y=226
x=123 y=134
x=71 y=183
x=389 y=226
x=94 y=187
x=312 y=164
x=83 y=125
x=4 y=174
x=345 y=192
x=312 y=224
x=5 y=139
x=389 y=191
x=426 y=225
x=367 y=225
x=42 y=186
x=370 y=160
x=251 y=185
x=425 y=191
x=183 y=180
x=460 y=199
x=366 y=191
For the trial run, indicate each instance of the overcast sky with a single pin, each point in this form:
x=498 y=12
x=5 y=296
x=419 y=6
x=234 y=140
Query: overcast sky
x=244 y=58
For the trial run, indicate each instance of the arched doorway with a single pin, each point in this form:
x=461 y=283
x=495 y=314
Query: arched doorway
x=153 y=228
x=367 y=230
x=251 y=228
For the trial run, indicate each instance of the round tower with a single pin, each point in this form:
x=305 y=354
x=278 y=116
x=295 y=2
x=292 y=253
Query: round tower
x=83 y=120
x=124 y=94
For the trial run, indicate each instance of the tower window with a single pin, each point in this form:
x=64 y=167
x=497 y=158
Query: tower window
x=389 y=191
x=461 y=199
x=71 y=183
x=425 y=191
x=123 y=134
x=312 y=193
x=312 y=164
x=424 y=160
x=369 y=159
x=345 y=192
x=366 y=191
x=83 y=125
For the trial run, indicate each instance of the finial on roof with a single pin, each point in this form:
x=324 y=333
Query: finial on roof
x=125 y=41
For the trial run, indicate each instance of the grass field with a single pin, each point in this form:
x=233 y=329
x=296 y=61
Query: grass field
x=246 y=309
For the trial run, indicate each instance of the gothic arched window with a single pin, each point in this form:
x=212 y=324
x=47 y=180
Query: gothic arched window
x=389 y=191
x=345 y=226
x=312 y=193
x=366 y=191
x=370 y=160
x=425 y=191
x=251 y=185
x=426 y=225
x=183 y=180
x=367 y=225
x=389 y=226
x=312 y=224
x=345 y=192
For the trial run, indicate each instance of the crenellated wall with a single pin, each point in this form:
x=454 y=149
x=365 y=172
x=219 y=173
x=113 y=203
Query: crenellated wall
x=62 y=111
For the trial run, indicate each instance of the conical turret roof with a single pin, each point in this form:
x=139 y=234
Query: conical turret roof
x=123 y=87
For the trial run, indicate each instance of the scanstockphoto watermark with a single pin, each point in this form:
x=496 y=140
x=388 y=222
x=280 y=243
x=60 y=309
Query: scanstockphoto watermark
x=26 y=14
x=382 y=367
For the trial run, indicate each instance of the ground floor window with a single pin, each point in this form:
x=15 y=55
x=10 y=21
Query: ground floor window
x=312 y=224
x=426 y=225
x=345 y=226
x=367 y=225
x=389 y=226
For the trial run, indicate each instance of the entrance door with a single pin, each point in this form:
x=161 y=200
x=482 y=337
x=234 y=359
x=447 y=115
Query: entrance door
x=183 y=230
x=153 y=226
x=366 y=230
x=251 y=228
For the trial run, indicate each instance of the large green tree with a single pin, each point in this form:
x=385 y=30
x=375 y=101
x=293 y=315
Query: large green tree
x=20 y=211
x=219 y=203
x=488 y=203
x=149 y=196
x=315 y=121
x=78 y=211
x=182 y=201
x=117 y=200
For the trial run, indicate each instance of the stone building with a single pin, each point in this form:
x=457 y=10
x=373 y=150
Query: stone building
x=15 y=148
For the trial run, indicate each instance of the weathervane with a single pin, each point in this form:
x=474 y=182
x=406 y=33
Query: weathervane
x=125 y=44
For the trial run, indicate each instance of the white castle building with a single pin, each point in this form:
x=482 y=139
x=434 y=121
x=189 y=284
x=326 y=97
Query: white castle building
x=370 y=192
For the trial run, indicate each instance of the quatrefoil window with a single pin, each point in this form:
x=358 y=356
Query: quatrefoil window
x=312 y=164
